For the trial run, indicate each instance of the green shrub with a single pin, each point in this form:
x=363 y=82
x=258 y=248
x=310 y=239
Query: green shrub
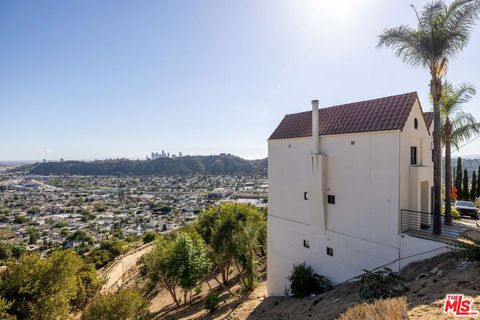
x=99 y=258
x=18 y=250
x=198 y=289
x=211 y=302
x=5 y=251
x=380 y=284
x=304 y=282
x=4 y=306
x=48 y=287
x=20 y=220
x=149 y=236
x=123 y=305
x=114 y=247
x=455 y=213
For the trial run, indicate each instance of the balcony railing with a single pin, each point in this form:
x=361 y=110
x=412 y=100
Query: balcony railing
x=419 y=224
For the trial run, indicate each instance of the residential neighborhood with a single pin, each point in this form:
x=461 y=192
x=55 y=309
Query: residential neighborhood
x=56 y=207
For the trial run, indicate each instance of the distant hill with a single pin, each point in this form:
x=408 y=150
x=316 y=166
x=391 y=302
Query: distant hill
x=223 y=164
x=471 y=163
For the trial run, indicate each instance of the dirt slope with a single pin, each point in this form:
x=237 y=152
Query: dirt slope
x=428 y=281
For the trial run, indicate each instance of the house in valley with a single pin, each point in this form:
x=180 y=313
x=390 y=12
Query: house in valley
x=336 y=197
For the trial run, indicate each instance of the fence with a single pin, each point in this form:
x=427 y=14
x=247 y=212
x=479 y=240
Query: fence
x=420 y=224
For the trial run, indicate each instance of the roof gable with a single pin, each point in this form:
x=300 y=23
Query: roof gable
x=389 y=113
x=428 y=119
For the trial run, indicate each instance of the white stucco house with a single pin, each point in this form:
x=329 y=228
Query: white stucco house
x=335 y=197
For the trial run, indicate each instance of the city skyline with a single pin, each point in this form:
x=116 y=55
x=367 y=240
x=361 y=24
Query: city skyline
x=118 y=79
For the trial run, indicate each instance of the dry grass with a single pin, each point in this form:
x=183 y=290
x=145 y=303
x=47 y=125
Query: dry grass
x=387 y=309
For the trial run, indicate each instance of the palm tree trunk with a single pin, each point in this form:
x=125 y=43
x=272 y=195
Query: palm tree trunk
x=435 y=87
x=448 y=175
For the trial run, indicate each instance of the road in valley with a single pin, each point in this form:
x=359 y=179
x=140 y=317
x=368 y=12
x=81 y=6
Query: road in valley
x=120 y=267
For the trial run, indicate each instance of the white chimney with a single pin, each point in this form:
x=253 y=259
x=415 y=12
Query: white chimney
x=315 y=138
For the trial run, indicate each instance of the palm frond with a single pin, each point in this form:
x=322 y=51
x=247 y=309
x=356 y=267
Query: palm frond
x=453 y=97
x=465 y=92
x=442 y=32
x=464 y=127
x=406 y=42
x=458 y=21
x=430 y=12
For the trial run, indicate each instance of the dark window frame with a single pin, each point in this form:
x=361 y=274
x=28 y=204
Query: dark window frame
x=331 y=199
x=306 y=244
x=329 y=251
x=413 y=156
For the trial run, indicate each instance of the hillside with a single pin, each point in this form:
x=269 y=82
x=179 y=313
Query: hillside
x=223 y=164
x=470 y=164
x=428 y=282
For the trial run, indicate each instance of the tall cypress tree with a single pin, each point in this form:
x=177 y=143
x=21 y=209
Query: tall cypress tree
x=458 y=178
x=478 y=183
x=454 y=175
x=465 y=192
x=473 y=193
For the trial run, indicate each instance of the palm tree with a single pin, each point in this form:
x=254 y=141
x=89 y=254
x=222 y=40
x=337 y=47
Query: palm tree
x=441 y=34
x=456 y=127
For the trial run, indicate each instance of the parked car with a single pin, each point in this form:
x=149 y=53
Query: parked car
x=466 y=208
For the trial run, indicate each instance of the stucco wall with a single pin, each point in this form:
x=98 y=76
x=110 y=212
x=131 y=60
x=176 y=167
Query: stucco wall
x=364 y=179
x=371 y=178
x=411 y=176
x=350 y=254
x=361 y=170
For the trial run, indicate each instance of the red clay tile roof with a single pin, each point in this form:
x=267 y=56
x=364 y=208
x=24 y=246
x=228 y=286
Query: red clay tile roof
x=389 y=113
x=428 y=118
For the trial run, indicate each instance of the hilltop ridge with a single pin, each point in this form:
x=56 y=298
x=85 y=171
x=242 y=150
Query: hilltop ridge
x=223 y=164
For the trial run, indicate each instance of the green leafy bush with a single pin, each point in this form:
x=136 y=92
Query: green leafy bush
x=4 y=306
x=149 y=236
x=18 y=250
x=304 y=282
x=5 y=251
x=455 y=213
x=123 y=305
x=20 y=220
x=177 y=261
x=48 y=287
x=99 y=258
x=381 y=284
x=235 y=231
x=211 y=302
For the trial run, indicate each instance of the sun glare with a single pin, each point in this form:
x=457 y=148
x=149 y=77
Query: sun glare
x=334 y=11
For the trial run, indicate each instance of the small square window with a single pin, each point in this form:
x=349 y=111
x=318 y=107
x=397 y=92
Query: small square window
x=330 y=251
x=306 y=243
x=331 y=199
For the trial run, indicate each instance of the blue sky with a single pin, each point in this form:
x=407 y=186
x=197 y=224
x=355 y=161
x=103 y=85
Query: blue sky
x=99 y=79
